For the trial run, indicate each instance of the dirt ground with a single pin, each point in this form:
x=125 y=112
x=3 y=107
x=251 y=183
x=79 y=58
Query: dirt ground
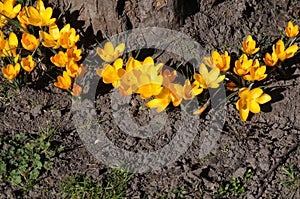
x=267 y=143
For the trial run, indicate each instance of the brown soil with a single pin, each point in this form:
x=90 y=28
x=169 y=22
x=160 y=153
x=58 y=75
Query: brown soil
x=265 y=143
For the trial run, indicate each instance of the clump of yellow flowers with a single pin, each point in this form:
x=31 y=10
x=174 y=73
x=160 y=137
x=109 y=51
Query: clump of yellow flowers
x=151 y=81
x=35 y=35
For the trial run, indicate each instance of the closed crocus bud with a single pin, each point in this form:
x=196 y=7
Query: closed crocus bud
x=250 y=101
x=29 y=41
x=249 y=46
x=291 y=30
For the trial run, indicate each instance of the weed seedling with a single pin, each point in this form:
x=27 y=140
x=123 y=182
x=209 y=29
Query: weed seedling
x=24 y=159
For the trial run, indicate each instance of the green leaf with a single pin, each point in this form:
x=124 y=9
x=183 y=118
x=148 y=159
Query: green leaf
x=34 y=174
x=15 y=177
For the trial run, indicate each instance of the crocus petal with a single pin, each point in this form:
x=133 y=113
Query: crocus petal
x=290 y=51
x=263 y=99
x=244 y=114
x=213 y=74
x=109 y=48
x=203 y=70
x=120 y=48
x=253 y=106
x=118 y=64
x=255 y=93
x=148 y=61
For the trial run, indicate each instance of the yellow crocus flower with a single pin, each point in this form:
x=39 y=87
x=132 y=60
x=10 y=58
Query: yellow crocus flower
x=27 y=63
x=8 y=10
x=149 y=81
x=221 y=61
x=283 y=53
x=190 y=91
x=10 y=47
x=291 y=30
x=63 y=82
x=271 y=60
x=172 y=93
x=29 y=41
x=51 y=39
x=250 y=101
x=112 y=74
x=207 y=79
x=249 y=46
x=60 y=59
x=68 y=37
x=40 y=16
x=74 y=53
x=257 y=72
x=135 y=72
x=10 y=72
x=109 y=53
x=242 y=66
x=73 y=69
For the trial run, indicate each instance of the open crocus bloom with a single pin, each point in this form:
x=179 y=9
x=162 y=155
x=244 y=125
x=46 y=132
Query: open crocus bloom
x=283 y=53
x=209 y=79
x=250 y=101
x=249 y=46
x=109 y=53
x=39 y=16
x=221 y=61
x=257 y=72
x=10 y=72
x=243 y=65
x=8 y=10
x=8 y=48
x=111 y=74
x=29 y=41
x=63 y=82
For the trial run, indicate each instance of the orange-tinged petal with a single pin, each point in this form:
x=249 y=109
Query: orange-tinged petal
x=201 y=81
x=271 y=60
x=279 y=47
x=109 y=75
x=291 y=30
